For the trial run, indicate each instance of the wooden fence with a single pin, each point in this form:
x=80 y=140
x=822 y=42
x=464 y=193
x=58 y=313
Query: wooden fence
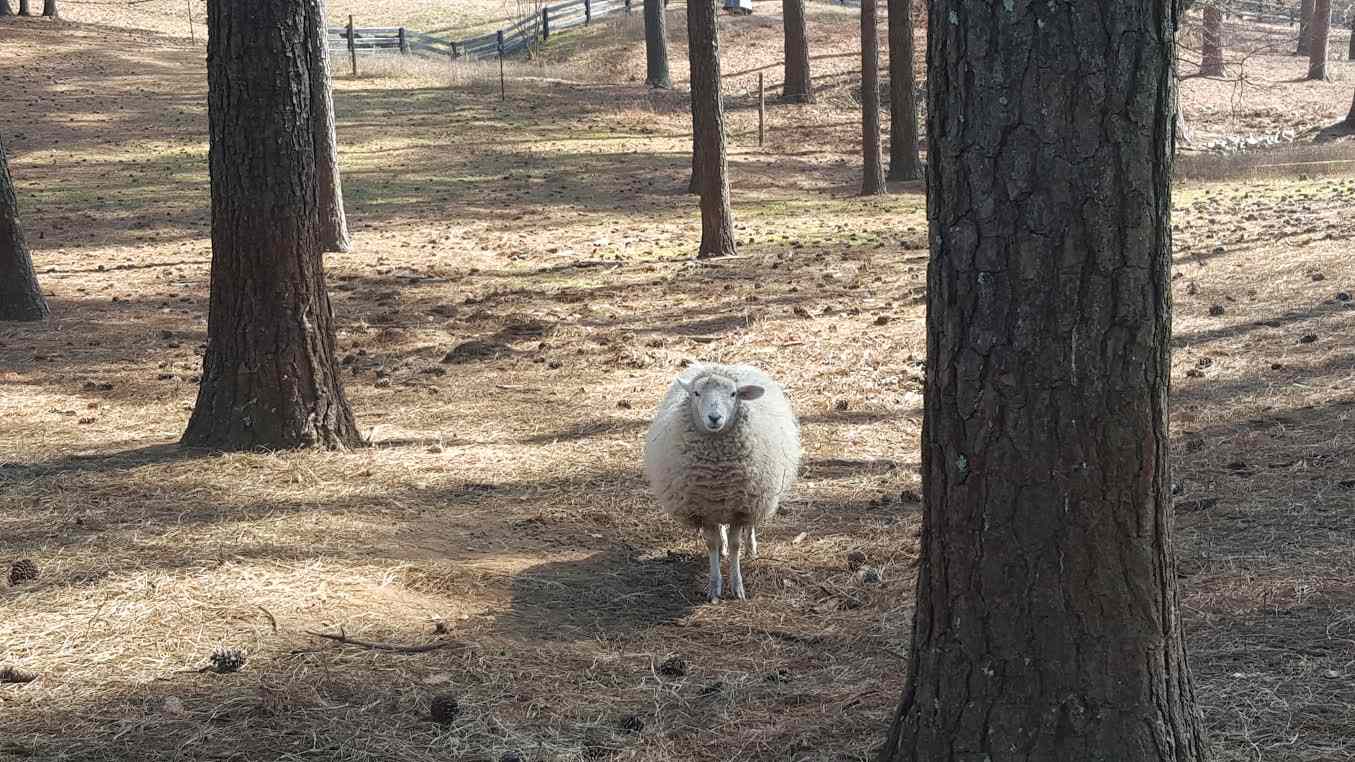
x=529 y=30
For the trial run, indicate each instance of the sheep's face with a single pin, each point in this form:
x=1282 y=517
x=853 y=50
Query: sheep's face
x=713 y=401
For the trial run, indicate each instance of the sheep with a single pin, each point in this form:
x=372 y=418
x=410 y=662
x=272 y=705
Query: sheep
x=722 y=453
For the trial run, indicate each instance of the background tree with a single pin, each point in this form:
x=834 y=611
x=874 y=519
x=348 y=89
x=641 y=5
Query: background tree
x=709 y=171
x=873 y=181
x=1211 y=47
x=24 y=8
x=1318 y=39
x=1350 y=20
x=1305 y=27
x=49 y=9
x=798 y=87
x=333 y=228
x=1046 y=619
x=269 y=377
x=656 y=46
x=20 y=297
x=5 y=10
x=904 y=161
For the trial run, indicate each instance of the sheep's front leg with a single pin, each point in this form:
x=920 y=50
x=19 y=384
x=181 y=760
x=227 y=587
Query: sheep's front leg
x=751 y=543
x=714 y=541
x=736 y=537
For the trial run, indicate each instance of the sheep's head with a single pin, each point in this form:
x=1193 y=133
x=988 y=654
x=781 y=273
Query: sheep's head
x=713 y=401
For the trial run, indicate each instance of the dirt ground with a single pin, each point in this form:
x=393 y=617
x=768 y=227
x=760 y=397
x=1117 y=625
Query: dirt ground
x=500 y=512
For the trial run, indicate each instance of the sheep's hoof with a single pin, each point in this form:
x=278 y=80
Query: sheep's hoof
x=737 y=590
x=713 y=592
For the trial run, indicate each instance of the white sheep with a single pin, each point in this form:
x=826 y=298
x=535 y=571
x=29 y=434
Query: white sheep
x=722 y=453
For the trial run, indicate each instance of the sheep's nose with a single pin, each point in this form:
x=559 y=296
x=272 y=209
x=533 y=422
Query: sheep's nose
x=714 y=419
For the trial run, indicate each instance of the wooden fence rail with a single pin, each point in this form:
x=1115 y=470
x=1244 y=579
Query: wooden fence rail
x=527 y=31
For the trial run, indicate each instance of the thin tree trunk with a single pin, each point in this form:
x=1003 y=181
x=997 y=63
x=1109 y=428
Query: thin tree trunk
x=1319 y=39
x=24 y=9
x=873 y=180
x=20 y=297
x=269 y=376
x=904 y=160
x=333 y=228
x=656 y=46
x=1047 y=620
x=1350 y=54
x=1211 y=51
x=49 y=9
x=708 y=128
x=798 y=87
x=1305 y=27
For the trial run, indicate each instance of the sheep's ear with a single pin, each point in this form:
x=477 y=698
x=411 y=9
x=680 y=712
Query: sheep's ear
x=684 y=383
x=750 y=392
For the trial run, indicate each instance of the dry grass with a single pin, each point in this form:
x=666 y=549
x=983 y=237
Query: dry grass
x=502 y=497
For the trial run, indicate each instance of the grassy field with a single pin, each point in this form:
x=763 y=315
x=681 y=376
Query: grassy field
x=500 y=512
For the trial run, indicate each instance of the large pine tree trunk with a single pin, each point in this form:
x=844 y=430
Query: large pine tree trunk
x=1211 y=49
x=49 y=9
x=798 y=87
x=24 y=8
x=904 y=161
x=333 y=222
x=1305 y=28
x=708 y=125
x=873 y=179
x=1319 y=39
x=269 y=377
x=656 y=46
x=1047 y=625
x=20 y=297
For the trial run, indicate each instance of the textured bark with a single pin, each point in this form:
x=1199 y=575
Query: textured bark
x=1047 y=625
x=49 y=9
x=333 y=222
x=24 y=8
x=1318 y=39
x=20 y=297
x=269 y=377
x=708 y=128
x=799 y=87
x=1211 y=50
x=656 y=46
x=873 y=176
x=1305 y=28
x=904 y=160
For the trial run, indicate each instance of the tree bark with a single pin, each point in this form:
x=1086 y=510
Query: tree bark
x=20 y=297
x=656 y=46
x=1211 y=50
x=1047 y=625
x=1319 y=39
x=269 y=377
x=1350 y=54
x=333 y=228
x=24 y=8
x=5 y=10
x=49 y=9
x=708 y=127
x=1305 y=27
x=904 y=161
x=798 y=87
x=873 y=179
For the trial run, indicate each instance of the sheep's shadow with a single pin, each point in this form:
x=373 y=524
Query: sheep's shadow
x=609 y=594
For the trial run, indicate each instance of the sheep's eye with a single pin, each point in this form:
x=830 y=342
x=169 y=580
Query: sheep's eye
x=696 y=394
x=733 y=395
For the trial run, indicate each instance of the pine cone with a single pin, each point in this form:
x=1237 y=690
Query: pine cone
x=226 y=660
x=22 y=571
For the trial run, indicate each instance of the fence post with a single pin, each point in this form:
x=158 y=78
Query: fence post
x=404 y=43
x=545 y=23
x=502 y=94
x=761 y=111
x=587 y=12
x=352 y=49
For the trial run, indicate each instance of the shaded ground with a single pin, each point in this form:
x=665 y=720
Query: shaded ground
x=502 y=500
